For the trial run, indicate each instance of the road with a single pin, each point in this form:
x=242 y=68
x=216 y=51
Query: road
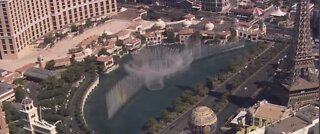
x=71 y=122
x=239 y=96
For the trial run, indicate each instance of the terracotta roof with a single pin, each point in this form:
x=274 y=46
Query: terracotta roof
x=244 y=24
x=222 y=33
x=104 y=58
x=186 y=31
x=87 y=41
x=123 y=33
x=62 y=61
x=131 y=40
x=152 y=34
x=7 y=76
x=269 y=111
x=25 y=67
x=97 y=50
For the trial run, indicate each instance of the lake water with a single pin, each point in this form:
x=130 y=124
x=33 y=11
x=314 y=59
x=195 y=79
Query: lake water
x=146 y=104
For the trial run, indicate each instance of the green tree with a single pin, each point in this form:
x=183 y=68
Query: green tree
x=88 y=23
x=74 y=28
x=169 y=33
x=19 y=93
x=151 y=123
x=48 y=39
x=12 y=114
x=222 y=76
x=50 y=65
x=18 y=81
x=119 y=42
x=103 y=51
x=165 y=115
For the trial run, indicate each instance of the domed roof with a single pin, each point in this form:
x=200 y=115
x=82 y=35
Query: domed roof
x=209 y=26
x=187 y=23
x=26 y=101
x=203 y=116
x=160 y=23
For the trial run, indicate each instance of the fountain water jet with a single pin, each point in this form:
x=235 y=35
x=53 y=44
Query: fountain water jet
x=152 y=65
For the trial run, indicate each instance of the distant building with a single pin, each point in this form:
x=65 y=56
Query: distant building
x=6 y=92
x=154 y=38
x=246 y=11
x=253 y=32
x=132 y=44
x=107 y=62
x=24 y=22
x=3 y=125
x=7 y=76
x=300 y=123
x=304 y=120
x=184 y=34
x=215 y=5
x=264 y=113
x=39 y=74
x=32 y=122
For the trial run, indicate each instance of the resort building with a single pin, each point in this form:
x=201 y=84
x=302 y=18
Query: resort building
x=215 y=5
x=154 y=38
x=249 y=31
x=267 y=118
x=184 y=34
x=132 y=44
x=24 y=22
x=7 y=76
x=32 y=122
x=6 y=92
x=107 y=62
x=264 y=113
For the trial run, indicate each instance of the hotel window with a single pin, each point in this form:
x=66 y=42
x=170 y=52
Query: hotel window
x=3 y=41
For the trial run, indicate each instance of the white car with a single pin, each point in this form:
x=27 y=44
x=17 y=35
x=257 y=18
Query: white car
x=245 y=88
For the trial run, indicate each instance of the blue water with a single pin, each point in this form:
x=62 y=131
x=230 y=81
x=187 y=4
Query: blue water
x=131 y=118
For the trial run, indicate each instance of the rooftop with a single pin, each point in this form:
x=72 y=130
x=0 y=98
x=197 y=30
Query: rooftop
x=131 y=40
x=25 y=67
x=39 y=73
x=301 y=84
x=287 y=125
x=186 y=31
x=5 y=87
x=104 y=58
x=268 y=111
x=88 y=41
x=123 y=33
x=303 y=117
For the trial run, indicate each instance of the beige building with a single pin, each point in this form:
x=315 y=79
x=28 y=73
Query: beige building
x=23 y=22
x=32 y=122
x=215 y=5
x=6 y=92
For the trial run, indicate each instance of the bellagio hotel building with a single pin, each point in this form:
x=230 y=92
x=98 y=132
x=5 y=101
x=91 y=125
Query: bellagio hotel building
x=22 y=22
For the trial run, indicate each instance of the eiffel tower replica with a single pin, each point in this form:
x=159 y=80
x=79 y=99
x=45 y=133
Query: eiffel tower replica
x=300 y=82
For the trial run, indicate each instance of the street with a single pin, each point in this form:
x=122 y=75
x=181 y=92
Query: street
x=240 y=97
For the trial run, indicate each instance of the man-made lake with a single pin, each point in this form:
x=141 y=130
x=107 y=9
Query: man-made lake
x=146 y=104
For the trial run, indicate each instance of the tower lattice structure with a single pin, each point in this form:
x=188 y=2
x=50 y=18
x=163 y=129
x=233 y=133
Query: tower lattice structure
x=302 y=65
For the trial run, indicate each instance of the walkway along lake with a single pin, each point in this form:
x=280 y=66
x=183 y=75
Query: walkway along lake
x=146 y=104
